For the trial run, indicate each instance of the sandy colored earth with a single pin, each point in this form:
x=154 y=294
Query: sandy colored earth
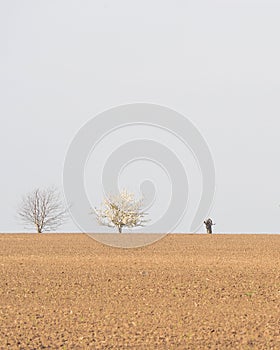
x=184 y=292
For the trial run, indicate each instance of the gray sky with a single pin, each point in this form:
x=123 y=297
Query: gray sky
x=217 y=62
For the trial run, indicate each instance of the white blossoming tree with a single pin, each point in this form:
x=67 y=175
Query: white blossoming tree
x=120 y=211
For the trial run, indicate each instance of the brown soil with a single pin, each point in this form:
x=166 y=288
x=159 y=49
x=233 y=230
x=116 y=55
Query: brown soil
x=184 y=292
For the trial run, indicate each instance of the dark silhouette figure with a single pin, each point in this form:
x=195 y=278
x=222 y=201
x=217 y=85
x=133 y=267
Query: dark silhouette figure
x=209 y=223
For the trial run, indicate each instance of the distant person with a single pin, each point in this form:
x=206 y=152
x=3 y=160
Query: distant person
x=209 y=223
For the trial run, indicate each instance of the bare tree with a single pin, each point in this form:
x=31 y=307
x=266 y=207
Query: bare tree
x=120 y=211
x=42 y=208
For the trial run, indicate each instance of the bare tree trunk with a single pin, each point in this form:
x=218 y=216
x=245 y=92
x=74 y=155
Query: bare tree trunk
x=120 y=229
x=209 y=229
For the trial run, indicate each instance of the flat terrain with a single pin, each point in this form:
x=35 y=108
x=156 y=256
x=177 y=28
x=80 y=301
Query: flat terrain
x=184 y=292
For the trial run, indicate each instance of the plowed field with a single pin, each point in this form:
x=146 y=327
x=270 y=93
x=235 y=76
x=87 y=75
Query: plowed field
x=184 y=292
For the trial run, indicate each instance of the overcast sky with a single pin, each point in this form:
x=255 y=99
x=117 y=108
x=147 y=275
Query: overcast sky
x=217 y=62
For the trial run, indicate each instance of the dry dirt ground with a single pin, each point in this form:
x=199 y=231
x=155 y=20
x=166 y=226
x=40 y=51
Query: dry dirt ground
x=184 y=292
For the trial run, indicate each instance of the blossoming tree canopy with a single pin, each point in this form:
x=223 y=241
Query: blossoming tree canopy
x=121 y=210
